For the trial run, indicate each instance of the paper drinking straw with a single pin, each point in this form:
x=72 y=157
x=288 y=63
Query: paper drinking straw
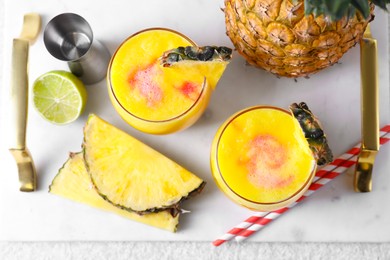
x=323 y=176
x=239 y=228
x=345 y=161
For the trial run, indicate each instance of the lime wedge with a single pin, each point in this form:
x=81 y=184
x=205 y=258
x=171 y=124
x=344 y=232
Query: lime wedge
x=59 y=96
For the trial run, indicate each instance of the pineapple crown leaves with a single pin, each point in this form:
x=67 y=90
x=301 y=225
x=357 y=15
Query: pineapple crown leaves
x=337 y=9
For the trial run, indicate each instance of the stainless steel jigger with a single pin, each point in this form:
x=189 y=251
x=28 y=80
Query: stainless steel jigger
x=69 y=37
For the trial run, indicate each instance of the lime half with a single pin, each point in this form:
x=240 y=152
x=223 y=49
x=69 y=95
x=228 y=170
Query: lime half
x=59 y=96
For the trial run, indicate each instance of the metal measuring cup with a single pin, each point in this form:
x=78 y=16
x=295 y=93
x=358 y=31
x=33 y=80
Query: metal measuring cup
x=69 y=37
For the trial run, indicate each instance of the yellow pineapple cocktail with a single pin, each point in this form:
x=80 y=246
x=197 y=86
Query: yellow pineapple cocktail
x=261 y=160
x=151 y=97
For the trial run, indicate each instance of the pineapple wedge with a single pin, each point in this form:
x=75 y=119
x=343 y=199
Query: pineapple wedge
x=130 y=174
x=314 y=134
x=208 y=61
x=73 y=182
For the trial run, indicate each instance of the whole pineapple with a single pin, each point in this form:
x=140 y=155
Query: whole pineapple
x=295 y=38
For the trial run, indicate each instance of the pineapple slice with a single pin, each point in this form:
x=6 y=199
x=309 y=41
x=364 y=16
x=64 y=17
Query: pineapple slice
x=208 y=61
x=132 y=175
x=73 y=182
x=314 y=134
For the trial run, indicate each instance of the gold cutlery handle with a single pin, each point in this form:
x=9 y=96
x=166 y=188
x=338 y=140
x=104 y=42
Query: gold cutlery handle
x=369 y=94
x=26 y=169
x=19 y=93
x=363 y=172
x=369 y=113
x=19 y=101
x=19 y=109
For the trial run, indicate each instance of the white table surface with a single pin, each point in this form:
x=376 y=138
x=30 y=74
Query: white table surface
x=248 y=249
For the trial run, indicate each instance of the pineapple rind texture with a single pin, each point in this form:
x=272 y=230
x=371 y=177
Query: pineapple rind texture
x=73 y=182
x=130 y=174
x=313 y=132
x=196 y=54
x=276 y=35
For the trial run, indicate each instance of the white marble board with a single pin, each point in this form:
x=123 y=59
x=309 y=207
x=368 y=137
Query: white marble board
x=334 y=213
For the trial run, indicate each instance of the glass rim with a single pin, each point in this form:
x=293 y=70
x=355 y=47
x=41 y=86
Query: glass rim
x=225 y=125
x=132 y=114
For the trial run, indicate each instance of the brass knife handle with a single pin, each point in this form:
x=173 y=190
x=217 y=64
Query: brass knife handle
x=19 y=93
x=369 y=113
x=369 y=94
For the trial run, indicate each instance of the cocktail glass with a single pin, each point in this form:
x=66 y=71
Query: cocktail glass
x=261 y=160
x=145 y=107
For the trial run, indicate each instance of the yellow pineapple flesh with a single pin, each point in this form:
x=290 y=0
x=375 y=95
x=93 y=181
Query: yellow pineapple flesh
x=73 y=182
x=130 y=174
x=278 y=37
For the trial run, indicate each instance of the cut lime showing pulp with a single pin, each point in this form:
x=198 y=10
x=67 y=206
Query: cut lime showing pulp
x=59 y=96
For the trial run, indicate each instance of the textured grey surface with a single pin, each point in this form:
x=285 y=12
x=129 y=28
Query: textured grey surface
x=191 y=250
x=184 y=250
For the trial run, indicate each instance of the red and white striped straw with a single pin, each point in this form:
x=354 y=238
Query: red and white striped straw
x=239 y=228
x=259 y=219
